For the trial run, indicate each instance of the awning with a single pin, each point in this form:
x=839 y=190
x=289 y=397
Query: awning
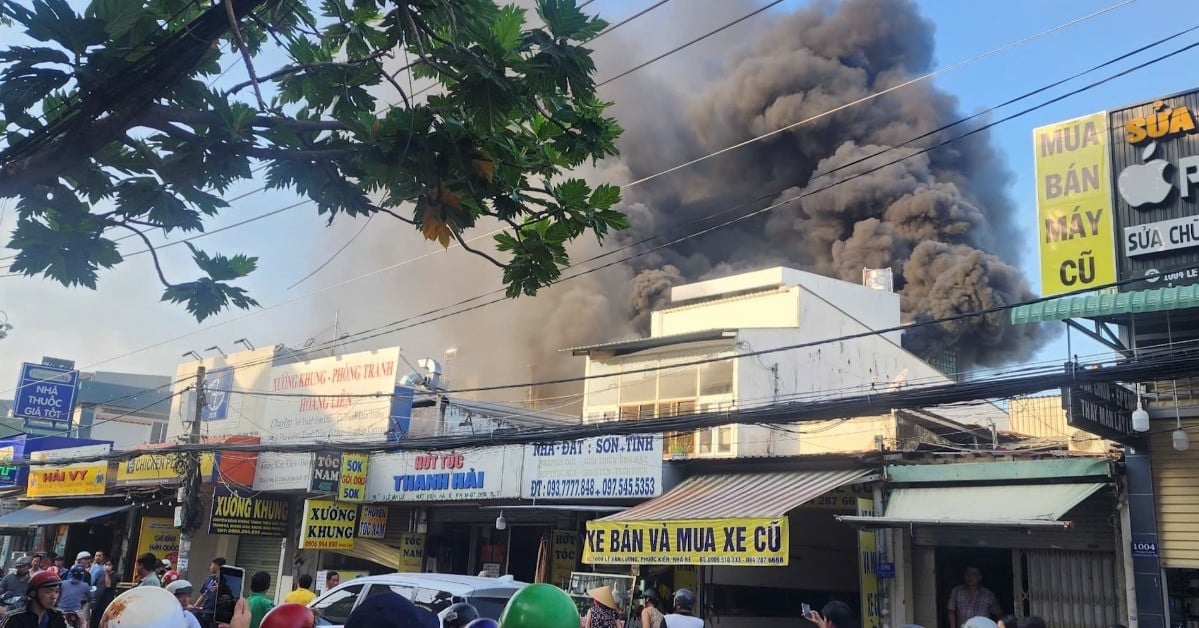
x=374 y=551
x=740 y=495
x=1010 y=505
x=40 y=515
x=1107 y=305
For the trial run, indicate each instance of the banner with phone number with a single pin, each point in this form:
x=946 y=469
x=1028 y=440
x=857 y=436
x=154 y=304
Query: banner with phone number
x=601 y=467
x=731 y=542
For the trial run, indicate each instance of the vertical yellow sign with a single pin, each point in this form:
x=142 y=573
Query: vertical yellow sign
x=412 y=553
x=564 y=557
x=1075 y=227
x=867 y=569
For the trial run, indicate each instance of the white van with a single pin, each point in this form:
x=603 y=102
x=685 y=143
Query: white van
x=434 y=592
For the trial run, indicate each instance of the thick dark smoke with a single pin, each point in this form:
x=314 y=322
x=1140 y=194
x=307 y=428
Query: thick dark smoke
x=942 y=220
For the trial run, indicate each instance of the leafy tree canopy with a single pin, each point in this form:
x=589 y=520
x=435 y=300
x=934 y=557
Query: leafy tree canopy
x=111 y=125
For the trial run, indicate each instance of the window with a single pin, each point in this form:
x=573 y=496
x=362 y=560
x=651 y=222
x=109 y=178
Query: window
x=677 y=383
x=716 y=378
x=158 y=431
x=433 y=600
x=637 y=387
x=335 y=607
x=489 y=607
x=637 y=411
x=724 y=439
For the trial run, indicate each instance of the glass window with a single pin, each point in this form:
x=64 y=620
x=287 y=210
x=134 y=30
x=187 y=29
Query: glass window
x=433 y=600
x=403 y=591
x=489 y=607
x=638 y=387
x=716 y=378
x=724 y=439
x=336 y=605
x=677 y=383
x=705 y=441
x=603 y=391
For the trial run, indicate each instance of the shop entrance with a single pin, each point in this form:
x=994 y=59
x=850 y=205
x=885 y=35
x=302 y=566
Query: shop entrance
x=524 y=541
x=88 y=537
x=996 y=568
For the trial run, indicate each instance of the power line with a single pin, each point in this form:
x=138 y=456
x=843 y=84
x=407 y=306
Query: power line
x=1165 y=364
x=606 y=254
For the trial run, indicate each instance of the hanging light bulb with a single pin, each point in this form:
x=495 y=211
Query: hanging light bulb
x=1182 y=441
x=1179 y=437
x=500 y=522
x=1140 y=417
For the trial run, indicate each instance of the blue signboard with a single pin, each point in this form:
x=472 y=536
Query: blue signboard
x=217 y=387
x=1144 y=550
x=45 y=397
x=12 y=448
x=401 y=413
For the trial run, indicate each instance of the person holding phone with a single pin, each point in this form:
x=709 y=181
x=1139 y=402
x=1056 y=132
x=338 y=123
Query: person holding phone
x=836 y=614
x=205 y=608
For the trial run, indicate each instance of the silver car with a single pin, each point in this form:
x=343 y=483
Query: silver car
x=431 y=591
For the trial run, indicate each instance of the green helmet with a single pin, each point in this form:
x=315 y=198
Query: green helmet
x=540 y=606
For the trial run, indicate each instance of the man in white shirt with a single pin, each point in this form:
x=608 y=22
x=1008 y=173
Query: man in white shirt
x=684 y=601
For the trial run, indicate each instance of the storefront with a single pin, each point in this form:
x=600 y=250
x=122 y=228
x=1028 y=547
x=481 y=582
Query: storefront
x=1174 y=478
x=1043 y=534
x=456 y=500
x=754 y=546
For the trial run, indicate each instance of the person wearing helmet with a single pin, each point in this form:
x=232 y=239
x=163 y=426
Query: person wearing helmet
x=289 y=615
x=40 y=599
x=145 y=607
x=459 y=615
x=684 y=601
x=169 y=577
x=76 y=592
x=17 y=583
x=182 y=590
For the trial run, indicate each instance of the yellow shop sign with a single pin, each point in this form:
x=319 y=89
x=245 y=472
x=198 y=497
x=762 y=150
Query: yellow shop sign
x=328 y=525
x=734 y=542
x=156 y=469
x=67 y=480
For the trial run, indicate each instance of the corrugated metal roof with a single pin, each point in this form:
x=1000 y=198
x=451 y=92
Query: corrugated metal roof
x=1011 y=502
x=641 y=344
x=1108 y=304
x=750 y=495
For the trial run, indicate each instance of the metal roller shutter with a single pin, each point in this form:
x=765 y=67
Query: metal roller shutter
x=1071 y=589
x=1174 y=474
x=260 y=553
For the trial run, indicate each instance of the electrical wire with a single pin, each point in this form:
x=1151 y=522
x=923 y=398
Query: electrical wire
x=829 y=173
x=1165 y=364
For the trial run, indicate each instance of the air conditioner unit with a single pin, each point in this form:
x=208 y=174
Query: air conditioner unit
x=1087 y=443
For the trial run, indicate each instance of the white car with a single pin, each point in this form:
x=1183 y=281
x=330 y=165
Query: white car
x=431 y=591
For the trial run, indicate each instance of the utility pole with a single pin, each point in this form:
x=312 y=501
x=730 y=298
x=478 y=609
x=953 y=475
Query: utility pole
x=189 y=493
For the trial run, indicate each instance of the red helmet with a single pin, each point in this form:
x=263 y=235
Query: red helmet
x=169 y=577
x=289 y=616
x=42 y=580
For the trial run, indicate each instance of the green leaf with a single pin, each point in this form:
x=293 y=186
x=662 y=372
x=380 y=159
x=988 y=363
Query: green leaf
x=69 y=254
x=119 y=16
x=145 y=199
x=222 y=268
x=572 y=193
x=507 y=26
x=605 y=196
x=204 y=297
x=561 y=17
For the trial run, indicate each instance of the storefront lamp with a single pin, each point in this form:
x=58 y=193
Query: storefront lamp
x=1182 y=442
x=1140 y=417
x=500 y=522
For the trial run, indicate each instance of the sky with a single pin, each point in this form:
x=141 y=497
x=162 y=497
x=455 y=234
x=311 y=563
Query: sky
x=123 y=326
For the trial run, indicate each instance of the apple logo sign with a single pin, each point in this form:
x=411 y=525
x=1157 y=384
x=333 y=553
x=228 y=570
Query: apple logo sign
x=1144 y=184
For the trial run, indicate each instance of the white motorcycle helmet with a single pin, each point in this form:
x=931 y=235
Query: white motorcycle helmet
x=145 y=607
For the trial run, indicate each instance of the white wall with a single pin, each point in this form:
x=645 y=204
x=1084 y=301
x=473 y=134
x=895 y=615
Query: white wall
x=125 y=435
x=252 y=370
x=773 y=308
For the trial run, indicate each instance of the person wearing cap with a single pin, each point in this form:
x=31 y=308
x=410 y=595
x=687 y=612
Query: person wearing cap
x=84 y=559
x=182 y=590
x=40 y=600
x=17 y=583
x=604 y=611
x=76 y=592
x=684 y=601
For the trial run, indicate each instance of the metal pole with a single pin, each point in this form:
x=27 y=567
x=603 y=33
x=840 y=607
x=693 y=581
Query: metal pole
x=189 y=494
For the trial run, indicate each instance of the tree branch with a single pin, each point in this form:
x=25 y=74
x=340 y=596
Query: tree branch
x=150 y=248
x=392 y=214
x=293 y=154
x=245 y=52
x=466 y=247
x=210 y=118
x=304 y=67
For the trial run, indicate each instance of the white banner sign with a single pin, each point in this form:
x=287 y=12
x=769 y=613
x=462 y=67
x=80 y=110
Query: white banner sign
x=492 y=473
x=1158 y=237
x=283 y=472
x=331 y=397
x=604 y=467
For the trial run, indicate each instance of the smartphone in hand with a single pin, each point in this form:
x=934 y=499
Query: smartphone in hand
x=806 y=609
